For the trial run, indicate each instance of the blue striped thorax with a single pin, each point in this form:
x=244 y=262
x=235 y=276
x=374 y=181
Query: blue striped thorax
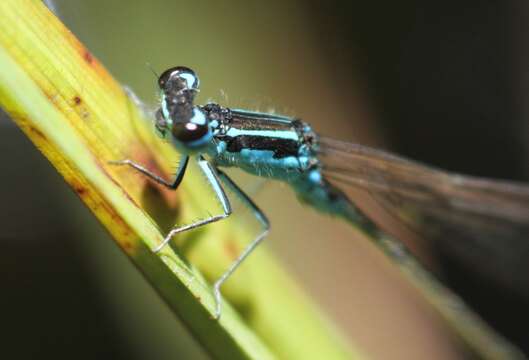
x=262 y=144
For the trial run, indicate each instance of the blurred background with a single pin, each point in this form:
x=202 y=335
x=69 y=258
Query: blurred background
x=442 y=82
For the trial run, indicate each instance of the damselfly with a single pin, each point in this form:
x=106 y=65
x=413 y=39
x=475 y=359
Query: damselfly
x=468 y=215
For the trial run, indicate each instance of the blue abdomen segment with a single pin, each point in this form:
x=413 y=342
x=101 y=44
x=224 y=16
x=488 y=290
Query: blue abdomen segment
x=315 y=191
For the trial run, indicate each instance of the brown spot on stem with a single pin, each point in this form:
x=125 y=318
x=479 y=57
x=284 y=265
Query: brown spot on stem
x=38 y=133
x=80 y=190
x=77 y=100
x=49 y=96
x=127 y=246
x=88 y=57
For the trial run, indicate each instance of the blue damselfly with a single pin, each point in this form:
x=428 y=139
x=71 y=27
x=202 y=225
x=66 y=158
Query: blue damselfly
x=468 y=215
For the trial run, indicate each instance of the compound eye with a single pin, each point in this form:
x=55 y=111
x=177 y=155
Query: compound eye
x=189 y=132
x=178 y=78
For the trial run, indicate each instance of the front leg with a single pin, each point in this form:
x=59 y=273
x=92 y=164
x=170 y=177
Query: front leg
x=182 y=166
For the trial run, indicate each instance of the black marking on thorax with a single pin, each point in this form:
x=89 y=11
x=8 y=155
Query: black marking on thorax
x=248 y=121
x=280 y=147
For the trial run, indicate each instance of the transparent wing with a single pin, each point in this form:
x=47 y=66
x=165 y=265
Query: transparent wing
x=480 y=225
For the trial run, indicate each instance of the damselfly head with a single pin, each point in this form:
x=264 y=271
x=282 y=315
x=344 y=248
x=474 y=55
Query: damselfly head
x=179 y=119
x=178 y=87
x=178 y=79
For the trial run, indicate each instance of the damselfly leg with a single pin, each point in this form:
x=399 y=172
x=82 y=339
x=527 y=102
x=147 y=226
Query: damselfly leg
x=212 y=175
x=214 y=182
x=171 y=185
x=265 y=228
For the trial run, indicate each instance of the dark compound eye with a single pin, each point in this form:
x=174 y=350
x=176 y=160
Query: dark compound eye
x=178 y=78
x=189 y=132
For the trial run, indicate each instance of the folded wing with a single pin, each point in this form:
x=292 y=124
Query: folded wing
x=480 y=224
